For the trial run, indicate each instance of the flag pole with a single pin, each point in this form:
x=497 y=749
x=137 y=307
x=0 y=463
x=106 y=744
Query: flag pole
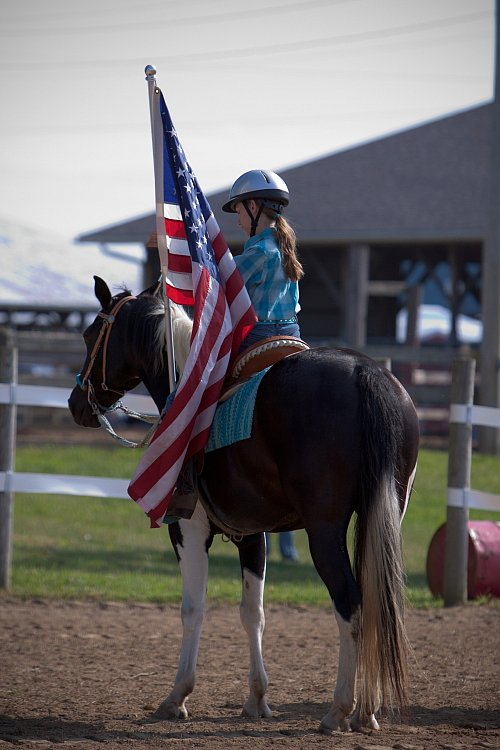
x=157 y=138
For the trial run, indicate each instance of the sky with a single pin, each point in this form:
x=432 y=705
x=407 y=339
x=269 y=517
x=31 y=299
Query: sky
x=249 y=85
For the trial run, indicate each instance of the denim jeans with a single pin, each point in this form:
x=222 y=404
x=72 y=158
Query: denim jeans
x=266 y=330
x=286 y=545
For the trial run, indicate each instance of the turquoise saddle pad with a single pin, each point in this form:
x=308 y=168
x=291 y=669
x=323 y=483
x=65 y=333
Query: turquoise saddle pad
x=234 y=417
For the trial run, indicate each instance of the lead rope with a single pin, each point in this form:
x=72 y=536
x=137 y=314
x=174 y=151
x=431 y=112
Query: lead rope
x=149 y=418
x=100 y=412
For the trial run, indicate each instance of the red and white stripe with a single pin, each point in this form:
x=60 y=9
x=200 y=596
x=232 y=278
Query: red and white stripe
x=221 y=320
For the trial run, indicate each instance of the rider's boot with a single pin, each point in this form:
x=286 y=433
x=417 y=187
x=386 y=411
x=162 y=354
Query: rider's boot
x=185 y=495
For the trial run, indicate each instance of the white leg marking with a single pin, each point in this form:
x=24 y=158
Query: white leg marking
x=253 y=620
x=360 y=723
x=343 y=697
x=194 y=569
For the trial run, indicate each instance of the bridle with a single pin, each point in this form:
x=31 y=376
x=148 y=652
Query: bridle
x=85 y=382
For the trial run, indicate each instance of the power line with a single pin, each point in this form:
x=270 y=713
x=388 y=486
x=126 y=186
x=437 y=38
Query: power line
x=174 y=22
x=269 y=50
x=337 y=40
x=147 y=7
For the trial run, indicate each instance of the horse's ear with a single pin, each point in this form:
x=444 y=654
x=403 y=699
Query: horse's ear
x=152 y=291
x=102 y=292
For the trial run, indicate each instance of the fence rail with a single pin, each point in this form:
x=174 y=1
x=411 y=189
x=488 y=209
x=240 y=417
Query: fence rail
x=481 y=416
x=57 y=398
x=63 y=484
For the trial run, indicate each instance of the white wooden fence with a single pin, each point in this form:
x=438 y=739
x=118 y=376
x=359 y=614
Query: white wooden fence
x=13 y=395
x=463 y=416
x=60 y=484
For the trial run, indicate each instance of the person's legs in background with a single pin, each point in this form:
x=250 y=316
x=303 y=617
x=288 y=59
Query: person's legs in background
x=286 y=545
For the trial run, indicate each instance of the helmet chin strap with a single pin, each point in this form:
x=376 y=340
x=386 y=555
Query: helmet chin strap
x=253 y=219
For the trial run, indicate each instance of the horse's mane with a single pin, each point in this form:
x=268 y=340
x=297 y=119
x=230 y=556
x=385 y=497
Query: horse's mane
x=182 y=327
x=149 y=326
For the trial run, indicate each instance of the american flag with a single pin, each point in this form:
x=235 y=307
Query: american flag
x=201 y=273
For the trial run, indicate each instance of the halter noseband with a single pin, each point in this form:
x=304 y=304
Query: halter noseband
x=84 y=382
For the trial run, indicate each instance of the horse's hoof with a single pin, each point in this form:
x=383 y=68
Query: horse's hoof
x=324 y=729
x=328 y=726
x=262 y=711
x=167 y=711
x=369 y=723
x=327 y=730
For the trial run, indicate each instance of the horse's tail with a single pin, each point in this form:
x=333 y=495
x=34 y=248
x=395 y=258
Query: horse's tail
x=382 y=644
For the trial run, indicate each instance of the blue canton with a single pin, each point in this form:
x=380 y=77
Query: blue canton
x=181 y=186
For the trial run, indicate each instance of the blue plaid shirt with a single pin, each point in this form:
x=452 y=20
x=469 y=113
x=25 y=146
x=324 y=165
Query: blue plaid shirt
x=274 y=296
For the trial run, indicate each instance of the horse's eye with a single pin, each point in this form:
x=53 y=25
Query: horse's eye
x=88 y=332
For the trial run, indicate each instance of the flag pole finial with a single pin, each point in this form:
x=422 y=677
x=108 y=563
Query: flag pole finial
x=150 y=71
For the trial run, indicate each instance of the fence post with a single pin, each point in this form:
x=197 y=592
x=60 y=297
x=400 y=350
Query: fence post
x=8 y=416
x=459 y=466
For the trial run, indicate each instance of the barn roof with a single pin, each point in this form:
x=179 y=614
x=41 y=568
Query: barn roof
x=429 y=182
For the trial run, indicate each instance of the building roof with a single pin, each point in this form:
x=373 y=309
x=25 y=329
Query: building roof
x=430 y=182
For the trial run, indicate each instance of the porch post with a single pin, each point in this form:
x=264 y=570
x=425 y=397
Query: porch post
x=356 y=294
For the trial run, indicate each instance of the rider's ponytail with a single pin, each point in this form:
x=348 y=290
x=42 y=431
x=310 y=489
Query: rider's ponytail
x=287 y=243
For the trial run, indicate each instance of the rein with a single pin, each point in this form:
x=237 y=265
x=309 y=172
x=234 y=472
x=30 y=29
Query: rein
x=86 y=384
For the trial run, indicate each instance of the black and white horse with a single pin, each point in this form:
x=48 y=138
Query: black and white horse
x=334 y=435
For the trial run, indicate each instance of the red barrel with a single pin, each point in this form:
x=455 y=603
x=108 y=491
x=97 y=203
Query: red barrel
x=483 y=570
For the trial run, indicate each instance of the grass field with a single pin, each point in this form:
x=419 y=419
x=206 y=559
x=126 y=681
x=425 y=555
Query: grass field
x=69 y=547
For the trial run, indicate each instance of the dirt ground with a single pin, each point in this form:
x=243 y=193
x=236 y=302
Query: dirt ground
x=80 y=674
